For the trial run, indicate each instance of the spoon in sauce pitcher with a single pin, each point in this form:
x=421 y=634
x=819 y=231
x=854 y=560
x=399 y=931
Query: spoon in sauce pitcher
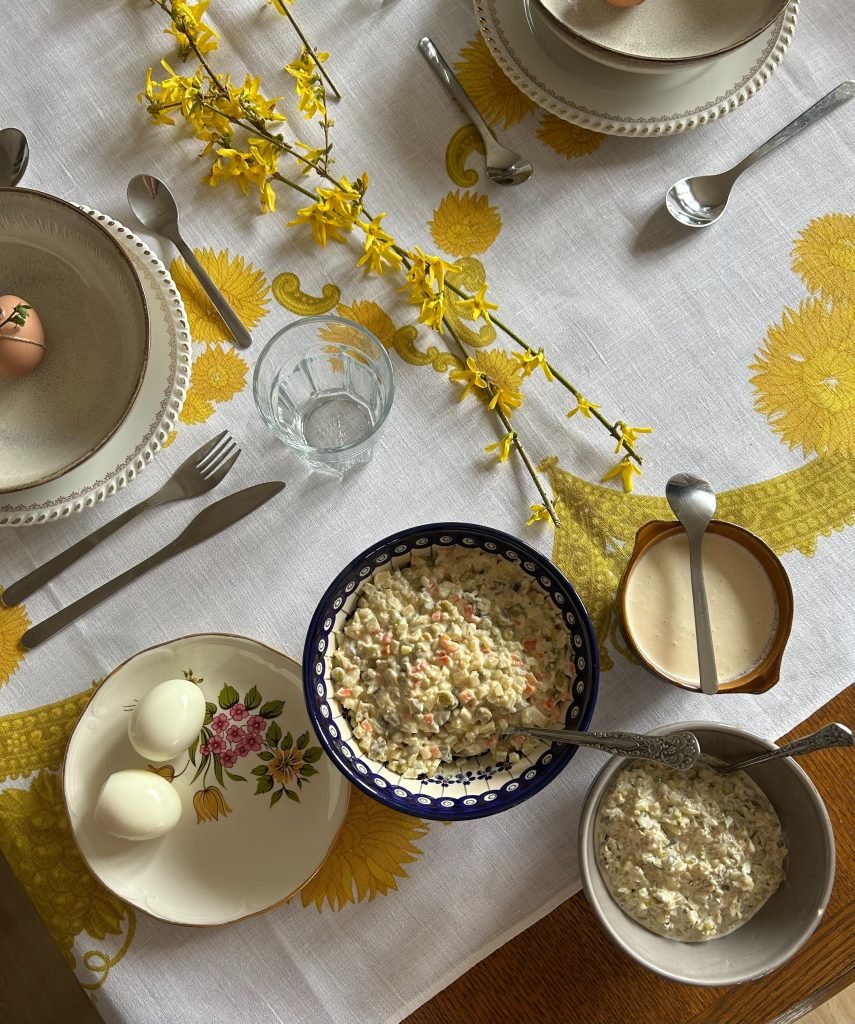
x=693 y=502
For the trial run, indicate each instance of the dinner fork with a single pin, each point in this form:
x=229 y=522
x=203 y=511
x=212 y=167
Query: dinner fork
x=197 y=475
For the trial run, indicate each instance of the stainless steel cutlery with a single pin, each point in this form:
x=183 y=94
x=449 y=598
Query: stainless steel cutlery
x=200 y=473
x=209 y=522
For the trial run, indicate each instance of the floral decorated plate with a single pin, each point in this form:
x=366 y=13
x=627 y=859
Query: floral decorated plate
x=152 y=415
x=261 y=803
x=587 y=93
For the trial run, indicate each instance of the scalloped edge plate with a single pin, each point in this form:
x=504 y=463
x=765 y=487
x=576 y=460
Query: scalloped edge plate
x=154 y=412
x=591 y=95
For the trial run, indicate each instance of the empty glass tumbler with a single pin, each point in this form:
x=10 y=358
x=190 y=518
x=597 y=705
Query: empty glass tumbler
x=324 y=385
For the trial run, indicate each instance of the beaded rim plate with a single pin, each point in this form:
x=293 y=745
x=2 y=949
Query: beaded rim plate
x=449 y=796
x=152 y=417
x=583 y=92
x=242 y=846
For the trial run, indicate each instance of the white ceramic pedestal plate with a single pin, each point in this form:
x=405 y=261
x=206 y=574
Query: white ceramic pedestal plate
x=594 y=96
x=150 y=420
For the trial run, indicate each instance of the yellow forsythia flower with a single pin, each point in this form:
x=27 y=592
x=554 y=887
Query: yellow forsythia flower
x=538 y=513
x=529 y=361
x=503 y=447
x=472 y=377
x=476 y=306
x=584 y=407
x=625 y=469
x=629 y=435
x=187 y=27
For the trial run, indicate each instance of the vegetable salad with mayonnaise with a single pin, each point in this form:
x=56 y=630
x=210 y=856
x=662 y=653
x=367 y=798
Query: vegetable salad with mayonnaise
x=689 y=855
x=440 y=656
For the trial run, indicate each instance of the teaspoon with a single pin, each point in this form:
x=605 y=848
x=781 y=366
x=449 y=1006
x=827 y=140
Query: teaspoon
x=14 y=156
x=155 y=208
x=503 y=166
x=693 y=502
x=700 y=201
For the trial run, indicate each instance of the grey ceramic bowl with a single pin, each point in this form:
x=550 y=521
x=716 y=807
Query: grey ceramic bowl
x=782 y=926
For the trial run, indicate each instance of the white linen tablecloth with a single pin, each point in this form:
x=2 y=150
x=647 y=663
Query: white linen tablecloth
x=658 y=325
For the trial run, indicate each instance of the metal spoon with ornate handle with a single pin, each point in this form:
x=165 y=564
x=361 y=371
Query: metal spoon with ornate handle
x=679 y=750
x=155 y=208
x=834 y=735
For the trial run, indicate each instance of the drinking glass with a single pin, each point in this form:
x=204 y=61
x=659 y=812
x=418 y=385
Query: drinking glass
x=324 y=386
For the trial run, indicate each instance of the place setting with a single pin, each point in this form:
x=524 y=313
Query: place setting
x=455 y=599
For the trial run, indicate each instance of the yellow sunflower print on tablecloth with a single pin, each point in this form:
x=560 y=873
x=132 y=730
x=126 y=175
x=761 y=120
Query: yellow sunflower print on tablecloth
x=245 y=288
x=36 y=839
x=492 y=92
x=368 y=856
x=465 y=224
x=824 y=257
x=804 y=380
x=568 y=140
x=218 y=373
x=13 y=624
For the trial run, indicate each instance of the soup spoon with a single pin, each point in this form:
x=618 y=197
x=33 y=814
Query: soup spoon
x=14 y=156
x=692 y=501
x=503 y=166
x=700 y=201
x=834 y=735
x=155 y=208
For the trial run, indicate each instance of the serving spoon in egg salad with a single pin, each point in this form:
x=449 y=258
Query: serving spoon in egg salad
x=679 y=750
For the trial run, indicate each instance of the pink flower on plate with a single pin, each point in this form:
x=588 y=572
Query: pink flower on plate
x=255 y=723
x=216 y=745
x=219 y=723
x=204 y=749
x=255 y=741
x=238 y=711
x=234 y=733
x=242 y=748
x=228 y=758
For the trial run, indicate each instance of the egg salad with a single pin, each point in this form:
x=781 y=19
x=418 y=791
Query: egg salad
x=688 y=855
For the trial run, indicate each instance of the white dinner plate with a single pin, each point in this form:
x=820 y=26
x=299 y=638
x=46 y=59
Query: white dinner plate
x=581 y=91
x=254 y=827
x=151 y=418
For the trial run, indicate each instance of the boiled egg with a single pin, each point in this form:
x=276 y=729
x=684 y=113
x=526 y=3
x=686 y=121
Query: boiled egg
x=137 y=804
x=167 y=720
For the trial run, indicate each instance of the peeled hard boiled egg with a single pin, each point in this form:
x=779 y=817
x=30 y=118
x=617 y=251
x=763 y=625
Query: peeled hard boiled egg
x=167 y=720
x=137 y=804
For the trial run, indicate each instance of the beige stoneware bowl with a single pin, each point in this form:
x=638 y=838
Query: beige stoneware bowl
x=90 y=300
x=659 y=36
x=782 y=926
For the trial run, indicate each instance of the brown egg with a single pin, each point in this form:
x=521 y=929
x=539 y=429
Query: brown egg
x=21 y=347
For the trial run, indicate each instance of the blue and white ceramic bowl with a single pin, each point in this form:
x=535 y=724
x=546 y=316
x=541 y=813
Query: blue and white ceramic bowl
x=450 y=795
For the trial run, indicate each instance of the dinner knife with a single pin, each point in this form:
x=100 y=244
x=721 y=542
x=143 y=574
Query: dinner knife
x=210 y=521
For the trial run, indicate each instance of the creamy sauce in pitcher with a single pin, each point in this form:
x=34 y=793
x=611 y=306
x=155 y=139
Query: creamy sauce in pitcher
x=660 y=616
